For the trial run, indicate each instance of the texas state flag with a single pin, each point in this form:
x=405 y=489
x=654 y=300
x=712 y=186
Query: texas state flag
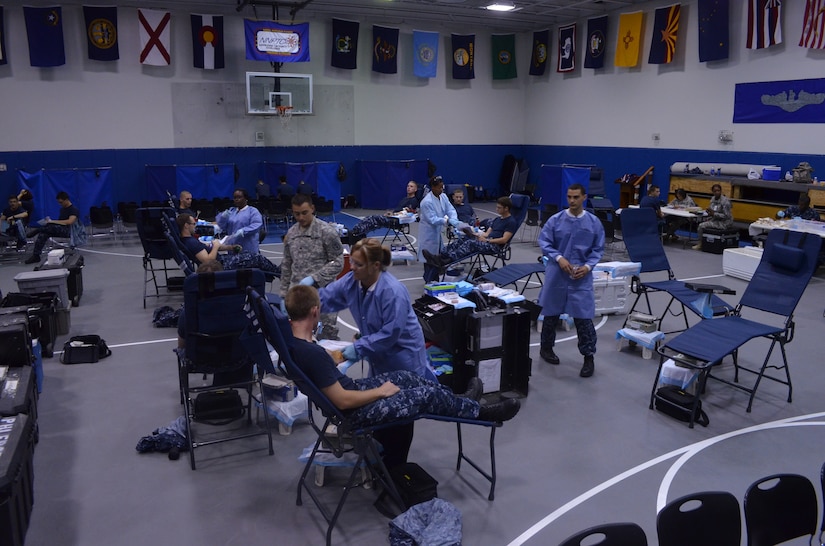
x=44 y=28
x=207 y=41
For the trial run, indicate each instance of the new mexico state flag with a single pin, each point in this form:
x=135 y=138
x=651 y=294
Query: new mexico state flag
x=629 y=41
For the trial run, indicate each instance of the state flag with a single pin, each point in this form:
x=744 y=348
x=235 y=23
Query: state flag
x=463 y=56
x=665 y=34
x=629 y=42
x=384 y=49
x=155 y=46
x=503 y=47
x=567 y=48
x=596 y=44
x=538 y=59
x=273 y=42
x=207 y=41
x=44 y=29
x=714 y=32
x=101 y=32
x=3 y=59
x=764 y=23
x=425 y=54
x=345 y=44
x=813 y=25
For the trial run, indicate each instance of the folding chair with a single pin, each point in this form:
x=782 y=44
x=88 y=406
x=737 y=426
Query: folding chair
x=613 y=534
x=214 y=321
x=640 y=234
x=778 y=508
x=150 y=227
x=101 y=218
x=787 y=265
x=276 y=330
x=708 y=517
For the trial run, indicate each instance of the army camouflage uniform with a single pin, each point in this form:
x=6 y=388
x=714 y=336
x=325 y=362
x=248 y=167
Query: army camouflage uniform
x=317 y=252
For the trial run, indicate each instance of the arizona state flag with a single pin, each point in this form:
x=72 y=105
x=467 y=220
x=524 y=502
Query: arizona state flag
x=764 y=23
x=207 y=41
x=538 y=60
x=714 y=39
x=384 y=50
x=665 y=32
x=2 y=39
x=630 y=39
x=503 y=47
x=345 y=44
x=101 y=32
x=463 y=56
x=813 y=25
x=596 y=42
x=44 y=29
x=567 y=48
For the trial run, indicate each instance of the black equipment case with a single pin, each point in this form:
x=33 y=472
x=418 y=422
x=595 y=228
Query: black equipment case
x=16 y=478
x=44 y=306
x=716 y=241
x=413 y=483
x=73 y=261
x=15 y=341
x=23 y=397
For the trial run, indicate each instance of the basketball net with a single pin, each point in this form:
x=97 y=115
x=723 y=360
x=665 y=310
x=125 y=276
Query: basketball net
x=285 y=113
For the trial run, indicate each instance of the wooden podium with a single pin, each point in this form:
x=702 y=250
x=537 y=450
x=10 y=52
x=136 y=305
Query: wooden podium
x=631 y=187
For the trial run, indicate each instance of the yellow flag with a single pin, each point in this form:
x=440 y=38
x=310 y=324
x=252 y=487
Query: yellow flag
x=629 y=41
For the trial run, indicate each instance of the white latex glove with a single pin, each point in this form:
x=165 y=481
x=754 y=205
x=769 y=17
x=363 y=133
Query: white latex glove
x=307 y=281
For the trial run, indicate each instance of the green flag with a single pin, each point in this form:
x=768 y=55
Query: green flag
x=504 y=56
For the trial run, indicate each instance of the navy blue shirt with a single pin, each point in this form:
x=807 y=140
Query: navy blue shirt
x=67 y=212
x=319 y=366
x=465 y=213
x=651 y=202
x=501 y=226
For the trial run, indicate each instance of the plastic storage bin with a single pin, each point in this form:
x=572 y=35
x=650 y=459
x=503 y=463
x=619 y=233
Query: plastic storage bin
x=741 y=262
x=611 y=294
x=51 y=280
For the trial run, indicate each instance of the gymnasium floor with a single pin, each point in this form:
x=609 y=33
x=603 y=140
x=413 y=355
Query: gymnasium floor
x=580 y=453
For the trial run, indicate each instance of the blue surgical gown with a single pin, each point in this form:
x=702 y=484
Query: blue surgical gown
x=247 y=219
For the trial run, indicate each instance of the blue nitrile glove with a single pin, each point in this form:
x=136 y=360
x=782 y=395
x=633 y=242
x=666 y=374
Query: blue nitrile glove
x=283 y=307
x=545 y=260
x=307 y=281
x=350 y=353
x=344 y=366
x=238 y=233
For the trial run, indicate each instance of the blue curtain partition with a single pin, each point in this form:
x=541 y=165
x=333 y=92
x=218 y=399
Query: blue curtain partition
x=322 y=177
x=204 y=181
x=86 y=187
x=384 y=183
x=555 y=179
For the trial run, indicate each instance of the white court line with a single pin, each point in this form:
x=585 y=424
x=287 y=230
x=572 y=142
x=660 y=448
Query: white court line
x=110 y=253
x=136 y=343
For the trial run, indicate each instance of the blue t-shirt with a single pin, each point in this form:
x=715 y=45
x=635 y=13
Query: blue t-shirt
x=465 y=213
x=651 y=202
x=319 y=366
x=193 y=245
x=502 y=225
x=68 y=212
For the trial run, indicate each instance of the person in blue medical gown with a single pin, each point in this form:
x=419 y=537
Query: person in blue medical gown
x=572 y=242
x=242 y=223
x=390 y=335
x=435 y=213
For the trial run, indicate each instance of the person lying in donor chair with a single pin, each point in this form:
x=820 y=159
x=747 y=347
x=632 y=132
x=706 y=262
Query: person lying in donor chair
x=490 y=241
x=236 y=258
x=386 y=397
x=409 y=203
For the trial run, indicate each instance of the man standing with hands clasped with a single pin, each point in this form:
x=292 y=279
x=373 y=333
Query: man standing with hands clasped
x=572 y=243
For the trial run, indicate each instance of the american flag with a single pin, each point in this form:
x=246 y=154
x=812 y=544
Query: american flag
x=813 y=26
x=764 y=23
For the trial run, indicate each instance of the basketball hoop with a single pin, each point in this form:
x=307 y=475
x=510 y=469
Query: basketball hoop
x=285 y=113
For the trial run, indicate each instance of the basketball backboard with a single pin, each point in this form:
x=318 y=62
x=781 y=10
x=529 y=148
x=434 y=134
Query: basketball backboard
x=266 y=91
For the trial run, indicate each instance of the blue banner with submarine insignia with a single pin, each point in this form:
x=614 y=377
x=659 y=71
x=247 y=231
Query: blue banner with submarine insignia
x=790 y=101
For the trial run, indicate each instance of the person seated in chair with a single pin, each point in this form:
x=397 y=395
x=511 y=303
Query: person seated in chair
x=408 y=204
x=69 y=214
x=284 y=191
x=17 y=218
x=382 y=398
x=490 y=241
x=463 y=210
x=681 y=201
x=719 y=214
x=185 y=204
x=652 y=201
x=801 y=210
x=236 y=257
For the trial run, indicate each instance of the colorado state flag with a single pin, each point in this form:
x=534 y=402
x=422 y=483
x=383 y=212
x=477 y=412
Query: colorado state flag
x=44 y=28
x=2 y=39
x=463 y=56
x=277 y=43
x=384 y=49
x=207 y=41
x=714 y=38
x=629 y=41
x=101 y=32
x=425 y=54
x=345 y=44
x=665 y=32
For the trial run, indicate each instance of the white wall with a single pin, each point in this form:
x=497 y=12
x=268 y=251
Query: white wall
x=123 y=105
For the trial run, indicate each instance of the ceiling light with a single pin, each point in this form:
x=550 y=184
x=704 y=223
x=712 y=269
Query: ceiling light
x=502 y=6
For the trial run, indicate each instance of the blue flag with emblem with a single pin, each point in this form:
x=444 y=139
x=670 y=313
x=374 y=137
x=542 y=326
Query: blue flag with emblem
x=714 y=32
x=277 y=43
x=503 y=48
x=425 y=54
x=596 y=42
x=44 y=29
x=345 y=44
x=538 y=59
x=384 y=49
x=3 y=59
x=463 y=56
x=101 y=32
x=789 y=101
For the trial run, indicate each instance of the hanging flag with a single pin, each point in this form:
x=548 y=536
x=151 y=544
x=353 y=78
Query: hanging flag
x=207 y=41
x=665 y=32
x=504 y=56
x=813 y=25
x=2 y=39
x=629 y=42
x=790 y=101
x=274 y=42
x=384 y=49
x=155 y=47
x=101 y=32
x=44 y=28
x=538 y=59
x=567 y=48
x=463 y=56
x=344 y=43
x=596 y=42
x=714 y=40
x=425 y=53
x=764 y=23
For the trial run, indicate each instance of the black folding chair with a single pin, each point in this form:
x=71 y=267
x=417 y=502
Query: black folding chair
x=708 y=517
x=778 y=508
x=613 y=534
x=156 y=248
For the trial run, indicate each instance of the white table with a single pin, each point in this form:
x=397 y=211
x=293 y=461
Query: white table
x=806 y=226
x=694 y=215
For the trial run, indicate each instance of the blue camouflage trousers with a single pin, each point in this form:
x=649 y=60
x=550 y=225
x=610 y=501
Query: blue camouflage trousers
x=584 y=329
x=370 y=223
x=417 y=396
x=247 y=260
x=462 y=248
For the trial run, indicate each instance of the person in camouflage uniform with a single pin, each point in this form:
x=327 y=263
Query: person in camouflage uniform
x=313 y=255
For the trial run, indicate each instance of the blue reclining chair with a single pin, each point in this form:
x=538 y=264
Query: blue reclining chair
x=214 y=319
x=276 y=330
x=787 y=265
x=641 y=237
